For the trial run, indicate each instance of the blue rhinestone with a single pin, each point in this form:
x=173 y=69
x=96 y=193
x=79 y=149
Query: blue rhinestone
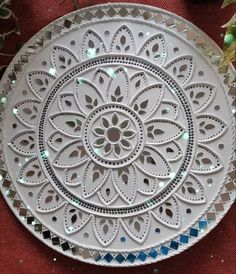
x=120 y=258
x=142 y=256
x=202 y=224
x=131 y=257
x=153 y=253
x=174 y=245
x=193 y=232
x=164 y=250
x=108 y=257
x=184 y=239
x=157 y=230
x=122 y=239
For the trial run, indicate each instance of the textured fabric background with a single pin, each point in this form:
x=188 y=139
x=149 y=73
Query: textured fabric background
x=22 y=253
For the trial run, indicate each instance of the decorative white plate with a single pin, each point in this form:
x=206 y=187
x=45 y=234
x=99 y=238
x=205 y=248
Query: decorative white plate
x=117 y=135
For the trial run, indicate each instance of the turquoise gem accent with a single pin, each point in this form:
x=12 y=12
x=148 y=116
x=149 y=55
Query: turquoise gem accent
x=142 y=256
x=174 y=245
x=153 y=253
x=193 y=232
x=122 y=239
x=184 y=239
x=164 y=250
x=120 y=258
x=108 y=257
x=131 y=258
x=202 y=224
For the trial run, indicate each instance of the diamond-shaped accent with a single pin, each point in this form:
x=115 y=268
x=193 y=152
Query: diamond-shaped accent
x=142 y=256
x=131 y=257
x=108 y=257
x=183 y=239
x=174 y=245
x=135 y=12
x=111 y=12
x=164 y=250
x=193 y=232
x=120 y=258
x=100 y=13
x=153 y=253
x=123 y=12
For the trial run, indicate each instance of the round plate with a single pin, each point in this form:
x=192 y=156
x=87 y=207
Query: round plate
x=117 y=135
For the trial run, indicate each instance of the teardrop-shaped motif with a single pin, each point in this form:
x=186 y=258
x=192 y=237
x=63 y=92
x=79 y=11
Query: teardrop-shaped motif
x=24 y=142
x=31 y=173
x=200 y=94
x=138 y=81
x=168 y=110
x=92 y=45
x=94 y=177
x=68 y=123
x=124 y=180
x=147 y=100
x=123 y=41
x=155 y=49
x=160 y=131
x=71 y=155
x=75 y=219
x=181 y=68
x=66 y=102
x=137 y=226
x=168 y=213
x=206 y=161
x=49 y=199
x=171 y=151
x=27 y=112
x=62 y=58
x=209 y=127
x=40 y=82
x=152 y=163
x=57 y=141
x=105 y=229
x=87 y=95
x=191 y=191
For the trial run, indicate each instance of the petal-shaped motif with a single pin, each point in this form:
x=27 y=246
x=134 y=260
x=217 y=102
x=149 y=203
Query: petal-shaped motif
x=191 y=191
x=147 y=100
x=74 y=176
x=92 y=45
x=24 y=142
x=108 y=193
x=40 y=82
x=101 y=79
x=200 y=94
x=31 y=173
x=66 y=102
x=168 y=213
x=74 y=219
x=168 y=110
x=123 y=41
x=71 y=155
x=57 y=141
x=68 y=123
x=137 y=226
x=152 y=163
x=160 y=131
x=87 y=95
x=209 y=127
x=105 y=229
x=124 y=180
x=62 y=58
x=155 y=49
x=94 y=177
x=171 y=151
x=138 y=81
x=49 y=199
x=118 y=89
x=181 y=68
x=146 y=185
x=27 y=112
x=206 y=161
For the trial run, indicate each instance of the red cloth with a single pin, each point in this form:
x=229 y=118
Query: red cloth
x=21 y=252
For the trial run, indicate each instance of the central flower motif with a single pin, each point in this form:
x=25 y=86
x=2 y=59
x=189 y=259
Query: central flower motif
x=113 y=136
